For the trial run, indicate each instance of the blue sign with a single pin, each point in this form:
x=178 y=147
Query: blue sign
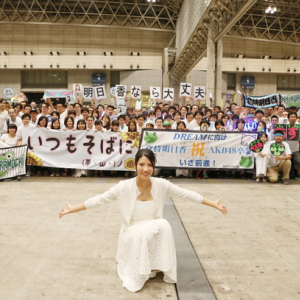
x=248 y=82
x=98 y=79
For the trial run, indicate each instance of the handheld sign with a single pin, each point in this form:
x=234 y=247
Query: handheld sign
x=256 y=146
x=277 y=149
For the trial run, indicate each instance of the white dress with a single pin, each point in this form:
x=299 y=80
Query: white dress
x=146 y=245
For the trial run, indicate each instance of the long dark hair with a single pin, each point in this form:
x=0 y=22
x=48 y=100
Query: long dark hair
x=147 y=153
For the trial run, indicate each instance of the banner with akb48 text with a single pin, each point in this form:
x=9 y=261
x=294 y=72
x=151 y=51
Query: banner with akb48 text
x=200 y=149
x=263 y=101
x=81 y=149
x=12 y=161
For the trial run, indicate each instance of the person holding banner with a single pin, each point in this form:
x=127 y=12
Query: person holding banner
x=11 y=139
x=280 y=158
x=146 y=245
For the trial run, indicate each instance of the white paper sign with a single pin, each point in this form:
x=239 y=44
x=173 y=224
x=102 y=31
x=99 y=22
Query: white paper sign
x=120 y=91
x=77 y=88
x=88 y=92
x=138 y=105
x=199 y=92
x=100 y=92
x=136 y=91
x=155 y=92
x=185 y=89
x=168 y=94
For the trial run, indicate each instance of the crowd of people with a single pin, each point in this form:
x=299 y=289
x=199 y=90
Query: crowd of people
x=62 y=115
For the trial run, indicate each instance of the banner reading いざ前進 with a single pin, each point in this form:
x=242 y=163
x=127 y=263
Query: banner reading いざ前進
x=200 y=149
x=81 y=149
x=12 y=161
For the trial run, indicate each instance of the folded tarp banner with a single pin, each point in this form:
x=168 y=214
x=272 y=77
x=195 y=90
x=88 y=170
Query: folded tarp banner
x=81 y=149
x=290 y=100
x=263 y=101
x=12 y=161
x=200 y=149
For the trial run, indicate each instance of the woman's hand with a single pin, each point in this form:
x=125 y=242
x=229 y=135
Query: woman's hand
x=220 y=207
x=66 y=210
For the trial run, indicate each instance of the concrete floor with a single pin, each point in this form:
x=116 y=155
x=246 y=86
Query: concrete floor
x=252 y=253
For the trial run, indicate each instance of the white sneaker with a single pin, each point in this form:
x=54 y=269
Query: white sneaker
x=28 y=174
x=52 y=175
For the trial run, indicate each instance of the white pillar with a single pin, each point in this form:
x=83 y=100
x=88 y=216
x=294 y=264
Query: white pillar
x=211 y=66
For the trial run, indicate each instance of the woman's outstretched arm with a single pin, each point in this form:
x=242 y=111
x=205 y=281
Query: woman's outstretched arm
x=71 y=209
x=215 y=204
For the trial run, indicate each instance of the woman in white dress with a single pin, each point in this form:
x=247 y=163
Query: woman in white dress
x=146 y=243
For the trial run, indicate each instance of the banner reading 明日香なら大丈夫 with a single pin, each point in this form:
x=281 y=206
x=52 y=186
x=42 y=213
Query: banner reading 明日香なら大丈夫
x=12 y=161
x=200 y=149
x=81 y=149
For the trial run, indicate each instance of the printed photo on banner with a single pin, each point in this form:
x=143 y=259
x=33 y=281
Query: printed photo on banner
x=262 y=101
x=121 y=107
x=81 y=149
x=136 y=92
x=78 y=90
x=100 y=92
x=168 y=94
x=185 y=89
x=198 y=149
x=199 y=92
x=120 y=91
x=12 y=161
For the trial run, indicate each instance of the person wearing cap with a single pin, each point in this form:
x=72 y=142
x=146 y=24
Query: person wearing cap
x=33 y=114
x=167 y=125
x=251 y=124
x=281 y=163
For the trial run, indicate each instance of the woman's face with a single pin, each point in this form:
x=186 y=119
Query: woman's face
x=219 y=127
x=70 y=124
x=81 y=126
x=43 y=123
x=144 y=168
x=95 y=115
x=263 y=138
x=12 y=131
x=55 y=124
x=105 y=120
x=132 y=126
x=180 y=126
x=220 y=115
x=115 y=128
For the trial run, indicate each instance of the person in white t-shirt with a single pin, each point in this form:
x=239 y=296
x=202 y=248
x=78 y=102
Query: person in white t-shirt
x=13 y=119
x=3 y=115
x=11 y=138
x=140 y=123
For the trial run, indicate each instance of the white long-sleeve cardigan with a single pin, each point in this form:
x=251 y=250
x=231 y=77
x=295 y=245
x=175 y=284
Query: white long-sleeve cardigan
x=126 y=191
